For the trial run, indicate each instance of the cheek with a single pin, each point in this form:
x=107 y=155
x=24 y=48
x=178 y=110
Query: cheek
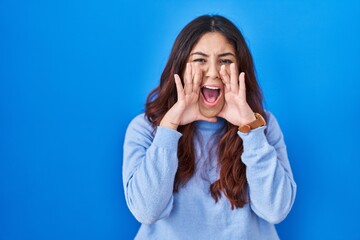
x=227 y=67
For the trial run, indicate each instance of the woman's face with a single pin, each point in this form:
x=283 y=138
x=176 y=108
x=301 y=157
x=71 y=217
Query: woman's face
x=212 y=51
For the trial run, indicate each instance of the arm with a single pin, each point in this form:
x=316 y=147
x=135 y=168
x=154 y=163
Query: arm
x=149 y=167
x=272 y=188
x=271 y=185
x=150 y=161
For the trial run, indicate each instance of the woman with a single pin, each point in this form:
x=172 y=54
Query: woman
x=205 y=161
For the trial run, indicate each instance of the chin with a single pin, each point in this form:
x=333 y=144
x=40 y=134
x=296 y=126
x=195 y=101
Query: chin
x=211 y=111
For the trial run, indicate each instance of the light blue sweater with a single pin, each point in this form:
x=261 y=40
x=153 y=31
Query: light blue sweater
x=149 y=166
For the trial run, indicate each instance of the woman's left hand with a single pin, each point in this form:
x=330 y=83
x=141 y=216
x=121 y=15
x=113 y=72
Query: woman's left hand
x=236 y=110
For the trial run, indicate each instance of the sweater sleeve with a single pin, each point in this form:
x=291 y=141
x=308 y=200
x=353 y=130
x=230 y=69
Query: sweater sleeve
x=272 y=188
x=149 y=167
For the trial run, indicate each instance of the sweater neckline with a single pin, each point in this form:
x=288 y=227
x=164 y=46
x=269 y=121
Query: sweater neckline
x=205 y=125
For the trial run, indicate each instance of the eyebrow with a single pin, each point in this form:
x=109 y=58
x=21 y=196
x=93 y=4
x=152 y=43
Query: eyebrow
x=226 y=54
x=220 y=55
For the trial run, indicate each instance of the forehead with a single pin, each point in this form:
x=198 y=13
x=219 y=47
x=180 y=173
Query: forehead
x=213 y=42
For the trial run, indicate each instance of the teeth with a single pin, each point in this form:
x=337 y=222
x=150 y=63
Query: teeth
x=213 y=88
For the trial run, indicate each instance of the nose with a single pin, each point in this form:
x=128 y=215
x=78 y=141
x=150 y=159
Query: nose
x=212 y=70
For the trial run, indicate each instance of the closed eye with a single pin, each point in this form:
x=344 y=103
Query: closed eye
x=201 y=60
x=226 y=61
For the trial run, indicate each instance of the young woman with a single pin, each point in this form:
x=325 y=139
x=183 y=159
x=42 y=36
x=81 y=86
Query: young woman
x=205 y=160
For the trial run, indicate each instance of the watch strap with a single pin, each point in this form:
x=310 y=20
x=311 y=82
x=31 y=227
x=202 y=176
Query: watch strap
x=258 y=122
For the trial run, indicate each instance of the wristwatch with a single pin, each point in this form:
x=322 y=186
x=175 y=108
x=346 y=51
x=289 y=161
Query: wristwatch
x=259 y=122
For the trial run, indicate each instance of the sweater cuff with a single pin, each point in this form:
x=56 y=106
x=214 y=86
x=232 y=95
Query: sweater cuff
x=166 y=138
x=254 y=139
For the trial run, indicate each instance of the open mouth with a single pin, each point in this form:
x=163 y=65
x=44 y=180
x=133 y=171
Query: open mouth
x=210 y=94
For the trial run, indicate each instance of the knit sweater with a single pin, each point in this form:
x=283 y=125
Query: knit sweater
x=150 y=164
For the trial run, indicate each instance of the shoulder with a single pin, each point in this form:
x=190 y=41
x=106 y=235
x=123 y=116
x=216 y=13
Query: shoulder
x=140 y=121
x=273 y=130
x=140 y=127
x=270 y=118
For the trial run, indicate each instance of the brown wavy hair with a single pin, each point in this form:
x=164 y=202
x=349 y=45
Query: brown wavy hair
x=232 y=178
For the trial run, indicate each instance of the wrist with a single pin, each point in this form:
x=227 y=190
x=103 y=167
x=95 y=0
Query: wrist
x=250 y=118
x=258 y=122
x=168 y=124
x=243 y=121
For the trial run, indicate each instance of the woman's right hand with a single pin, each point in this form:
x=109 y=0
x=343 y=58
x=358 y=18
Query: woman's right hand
x=186 y=109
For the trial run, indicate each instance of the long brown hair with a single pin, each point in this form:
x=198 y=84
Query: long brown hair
x=232 y=180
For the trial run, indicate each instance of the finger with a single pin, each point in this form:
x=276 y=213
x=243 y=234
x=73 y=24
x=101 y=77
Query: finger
x=234 y=79
x=197 y=78
x=188 y=79
x=179 y=87
x=242 y=87
x=225 y=78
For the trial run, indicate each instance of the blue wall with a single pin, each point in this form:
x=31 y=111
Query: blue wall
x=74 y=73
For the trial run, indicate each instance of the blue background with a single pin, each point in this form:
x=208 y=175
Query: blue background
x=74 y=73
